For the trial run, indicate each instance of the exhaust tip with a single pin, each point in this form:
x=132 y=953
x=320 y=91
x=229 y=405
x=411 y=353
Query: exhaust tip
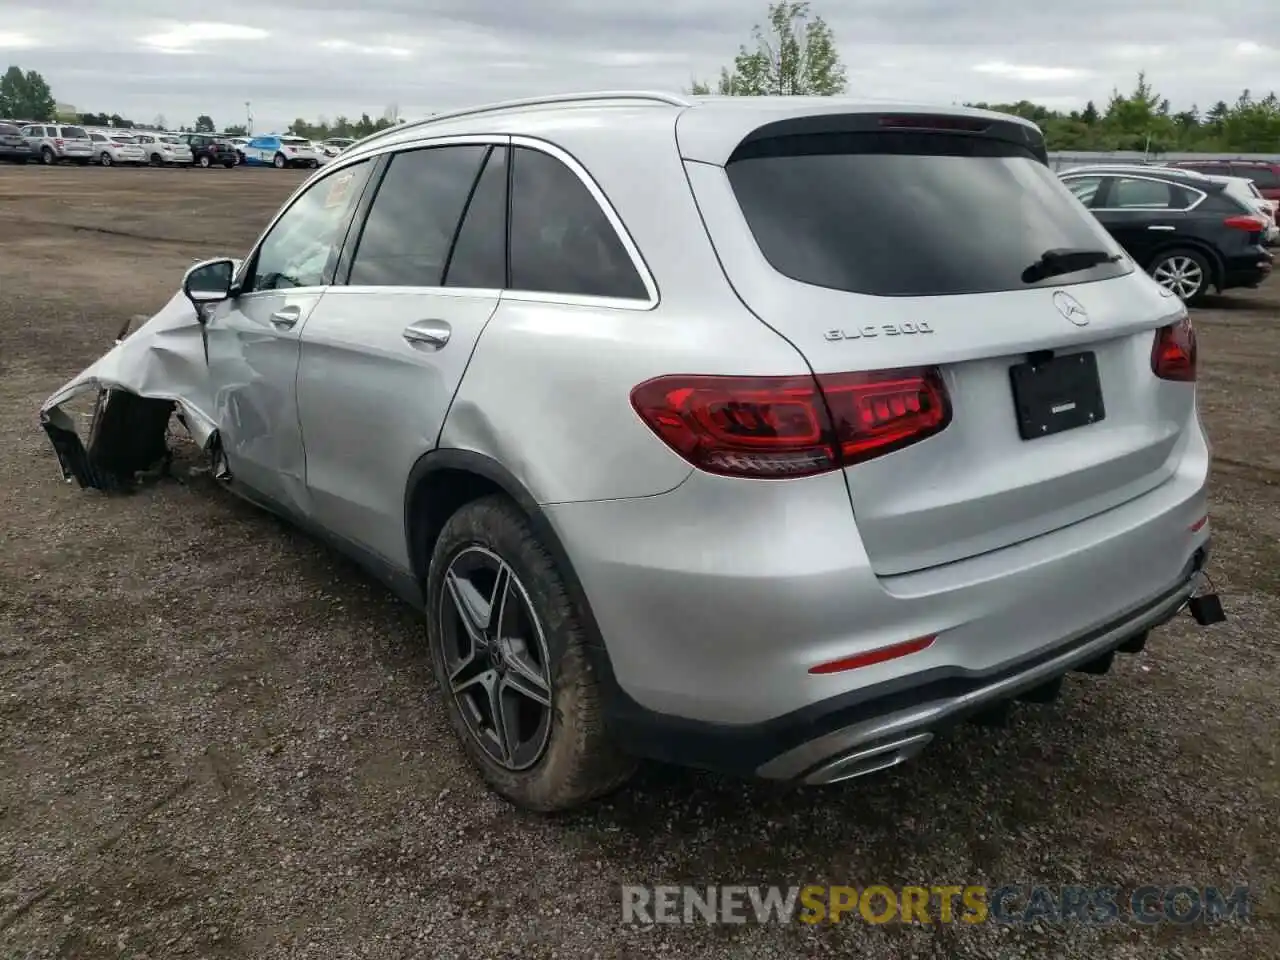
x=868 y=760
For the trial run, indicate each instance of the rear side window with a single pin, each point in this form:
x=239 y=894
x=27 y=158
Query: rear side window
x=909 y=214
x=561 y=241
x=1264 y=177
x=74 y=133
x=1127 y=192
x=97 y=138
x=479 y=257
x=411 y=226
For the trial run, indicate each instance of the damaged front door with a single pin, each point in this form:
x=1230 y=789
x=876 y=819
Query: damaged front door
x=253 y=339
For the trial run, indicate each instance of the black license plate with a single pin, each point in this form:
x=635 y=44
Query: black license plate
x=1057 y=394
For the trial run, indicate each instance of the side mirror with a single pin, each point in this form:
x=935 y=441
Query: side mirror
x=209 y=282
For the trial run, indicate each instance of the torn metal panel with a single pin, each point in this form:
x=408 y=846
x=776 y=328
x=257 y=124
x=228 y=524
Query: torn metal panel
x=159 y=368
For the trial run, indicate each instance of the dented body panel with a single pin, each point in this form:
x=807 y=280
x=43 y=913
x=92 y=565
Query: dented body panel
x=156 y=369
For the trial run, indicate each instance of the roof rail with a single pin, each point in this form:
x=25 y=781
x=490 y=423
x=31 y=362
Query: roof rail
x=644 y=96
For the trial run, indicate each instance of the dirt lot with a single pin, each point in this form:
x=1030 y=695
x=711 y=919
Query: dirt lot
x=219 y=739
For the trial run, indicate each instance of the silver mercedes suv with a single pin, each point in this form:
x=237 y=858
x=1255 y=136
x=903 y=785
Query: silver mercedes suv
x=766 y=435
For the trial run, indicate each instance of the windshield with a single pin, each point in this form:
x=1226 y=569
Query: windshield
x=910 y=214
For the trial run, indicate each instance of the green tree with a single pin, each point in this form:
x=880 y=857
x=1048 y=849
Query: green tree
x=25 y=96
x=237 y=130
x=794 y=54
x=204 y=124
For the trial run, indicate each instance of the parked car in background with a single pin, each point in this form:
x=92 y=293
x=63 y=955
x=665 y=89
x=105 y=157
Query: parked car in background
x=58 y=142
x=1184 y=228
x=280 y=151
x=1262 y=172
x=13 y=145
x=238 y=144
x=208 y=150
x=326 y=150
x=593 y=382
x=1246 y=191
x=165 y=149
x=117 y=146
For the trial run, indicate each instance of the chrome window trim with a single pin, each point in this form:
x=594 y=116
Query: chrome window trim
x=1202 y=196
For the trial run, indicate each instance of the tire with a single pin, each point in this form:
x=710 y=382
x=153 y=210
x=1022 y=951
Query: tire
x=1183 y=271
x=228 y=165
x=280 y=162
x=157 y=160
x=205 y=161
x=47 y=157
x=105 y=159
x=574 y=761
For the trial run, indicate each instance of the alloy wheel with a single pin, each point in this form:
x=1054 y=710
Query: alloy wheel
x=1180 y=275
x=106 y=159
x=495 y=656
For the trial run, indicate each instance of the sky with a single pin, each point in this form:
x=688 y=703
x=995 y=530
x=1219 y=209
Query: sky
x=179 y=59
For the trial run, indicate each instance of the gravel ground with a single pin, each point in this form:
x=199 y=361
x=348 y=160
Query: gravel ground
x=219 y=739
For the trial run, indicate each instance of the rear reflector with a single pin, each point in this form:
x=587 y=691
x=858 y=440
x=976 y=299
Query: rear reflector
x=879 y=655
x=779 y=427
x=1173 y=355
x=1199 y=524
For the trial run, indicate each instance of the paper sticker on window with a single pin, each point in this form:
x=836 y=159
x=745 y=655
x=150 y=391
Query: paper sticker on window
x=339 y=189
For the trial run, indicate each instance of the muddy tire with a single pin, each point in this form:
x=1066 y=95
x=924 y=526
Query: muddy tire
x=527 y=641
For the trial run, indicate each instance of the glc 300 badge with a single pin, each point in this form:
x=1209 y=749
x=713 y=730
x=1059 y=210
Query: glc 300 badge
x=906 y=328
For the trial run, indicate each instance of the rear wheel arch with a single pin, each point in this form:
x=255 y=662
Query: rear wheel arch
x=442 y=481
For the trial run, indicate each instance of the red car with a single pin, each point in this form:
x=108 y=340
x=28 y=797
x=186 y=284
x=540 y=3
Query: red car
x=1262 y=172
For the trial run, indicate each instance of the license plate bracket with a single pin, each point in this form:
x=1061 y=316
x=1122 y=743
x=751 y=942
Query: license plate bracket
x=1056 y=394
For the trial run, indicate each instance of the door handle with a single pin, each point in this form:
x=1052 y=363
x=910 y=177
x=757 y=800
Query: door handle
x=286 y=317
x=1160 y=226
x=431 y=333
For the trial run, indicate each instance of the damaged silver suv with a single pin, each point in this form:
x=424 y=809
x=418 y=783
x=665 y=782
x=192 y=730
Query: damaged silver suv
x=693 y=431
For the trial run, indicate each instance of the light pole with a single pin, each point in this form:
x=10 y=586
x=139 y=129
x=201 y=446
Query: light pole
x=248 y=116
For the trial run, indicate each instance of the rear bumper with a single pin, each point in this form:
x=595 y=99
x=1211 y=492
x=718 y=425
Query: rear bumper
x=1248 y=270
x=716 y=599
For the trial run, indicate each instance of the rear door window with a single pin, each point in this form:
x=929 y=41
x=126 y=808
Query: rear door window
x=1137 y=192
x=479 y=257
x=909 y=214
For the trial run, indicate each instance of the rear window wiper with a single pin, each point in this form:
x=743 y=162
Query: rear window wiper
x=1054 y=263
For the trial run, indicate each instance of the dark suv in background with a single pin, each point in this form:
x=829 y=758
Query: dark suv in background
x=1178 y=225
x=1264 y=174
x=13 y=145
x=208 y=150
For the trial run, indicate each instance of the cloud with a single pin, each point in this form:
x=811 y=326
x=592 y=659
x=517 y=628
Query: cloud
x=428 y=55
x=1028 y=72
x=16 y=41
x=371 y=51
x=188 y=37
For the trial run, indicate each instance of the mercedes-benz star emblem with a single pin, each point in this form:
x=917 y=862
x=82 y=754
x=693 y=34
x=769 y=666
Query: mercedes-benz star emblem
x=1070 y=308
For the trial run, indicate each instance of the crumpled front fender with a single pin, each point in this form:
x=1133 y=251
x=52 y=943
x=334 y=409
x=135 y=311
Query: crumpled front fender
x=138 y=383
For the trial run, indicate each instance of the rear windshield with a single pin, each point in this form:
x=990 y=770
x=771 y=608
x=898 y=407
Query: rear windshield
x=910 y=214
x=123 y=138
x=74 y=133
x=170 y=140
x=8 y=131
x=297 y=141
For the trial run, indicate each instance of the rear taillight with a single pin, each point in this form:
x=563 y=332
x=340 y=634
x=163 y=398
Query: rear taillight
x=1173 y=355
x=1246 y=223
x=792 y=426
x=58 y=142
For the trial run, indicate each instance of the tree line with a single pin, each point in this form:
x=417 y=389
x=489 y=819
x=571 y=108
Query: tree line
x=795 y=52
